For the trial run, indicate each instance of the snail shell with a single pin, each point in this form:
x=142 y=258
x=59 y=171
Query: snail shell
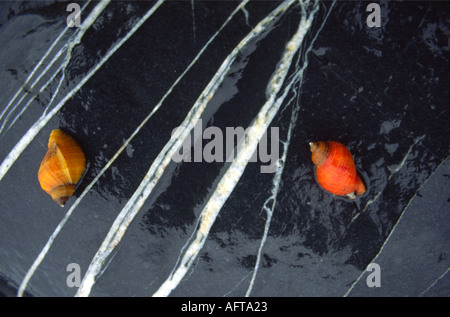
x=62 y=167
x=335 y=169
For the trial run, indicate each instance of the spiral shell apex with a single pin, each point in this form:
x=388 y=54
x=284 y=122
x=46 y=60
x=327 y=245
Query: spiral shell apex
x=335 y=169
x=62 y=167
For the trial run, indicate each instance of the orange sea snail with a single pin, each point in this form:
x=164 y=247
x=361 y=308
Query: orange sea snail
x=335 y=169
x=62 y=167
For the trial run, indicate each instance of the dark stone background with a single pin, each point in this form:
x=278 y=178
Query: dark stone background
x=381 y=91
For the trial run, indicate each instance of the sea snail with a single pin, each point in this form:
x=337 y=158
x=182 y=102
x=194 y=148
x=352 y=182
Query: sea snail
x=62 y=167
x=335 y=169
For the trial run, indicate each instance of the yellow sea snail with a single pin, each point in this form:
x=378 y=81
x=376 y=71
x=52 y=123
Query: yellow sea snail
x=62 y=167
